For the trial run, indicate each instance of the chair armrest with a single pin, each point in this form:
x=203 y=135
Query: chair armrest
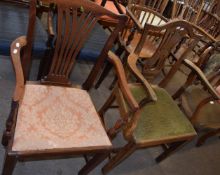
x=16 y=60
x=149 y=20
x=123 y=81
x=202 y=77
x=134 y=19
x=132 y=60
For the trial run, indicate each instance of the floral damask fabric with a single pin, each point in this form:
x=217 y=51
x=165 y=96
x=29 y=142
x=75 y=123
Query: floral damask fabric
x=53 y=117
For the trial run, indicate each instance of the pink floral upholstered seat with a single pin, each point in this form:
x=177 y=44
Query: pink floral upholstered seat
x=53 y=117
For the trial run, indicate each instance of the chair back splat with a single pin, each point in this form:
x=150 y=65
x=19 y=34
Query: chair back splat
x=75 y=21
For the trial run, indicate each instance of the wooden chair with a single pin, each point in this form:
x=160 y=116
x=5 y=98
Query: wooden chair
x=119 y=7
x=201 y=106
x=211 y=24
x=129 y=38
x=178 y=41
x=148 y=114
x=40 y=110
x=187 y=9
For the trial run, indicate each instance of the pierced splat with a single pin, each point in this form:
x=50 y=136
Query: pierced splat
x=74 y=26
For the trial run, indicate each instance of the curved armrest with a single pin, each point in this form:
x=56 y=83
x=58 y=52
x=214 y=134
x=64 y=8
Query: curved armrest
x=132 y=60
x=16 y=60
x=123 y=81
x=146 y=10
x=202 y=77
x=135 y=20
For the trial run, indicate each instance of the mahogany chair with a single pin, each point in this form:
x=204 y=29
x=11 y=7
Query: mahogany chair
x=148 y=114
x=189 y=10
x=40 y=110
x=178 y=41
x=129 y=38
x=201 y=106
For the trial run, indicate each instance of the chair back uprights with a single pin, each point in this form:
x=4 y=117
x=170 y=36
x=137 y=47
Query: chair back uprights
x=188 y=10
x=157 y=5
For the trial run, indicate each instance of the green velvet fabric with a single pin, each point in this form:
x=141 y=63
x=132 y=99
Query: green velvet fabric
x=160 y=120
x=209 y=116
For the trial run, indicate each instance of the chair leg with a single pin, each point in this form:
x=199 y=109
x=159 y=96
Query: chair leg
x=7 y=133
x=107 y=104
x=203 y=138
x=173 y=147
x=124 y=153
x=9 y=164
x=94 y=162
x=104 y=74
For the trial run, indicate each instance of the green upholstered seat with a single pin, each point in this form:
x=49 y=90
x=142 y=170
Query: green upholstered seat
x=209 y=116
x=161 y=120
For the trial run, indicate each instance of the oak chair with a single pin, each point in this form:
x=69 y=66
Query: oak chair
x=129 y=38
x=189 y=10
x=201 y=106
x=48 y=119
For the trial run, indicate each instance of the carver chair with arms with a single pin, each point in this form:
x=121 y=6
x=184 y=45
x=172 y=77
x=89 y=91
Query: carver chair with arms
x=201 y=106
x=194 y=100
x=149 y=114
x=129 y=38
x=119 y=7
x=52 y=118
x=149 y=117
